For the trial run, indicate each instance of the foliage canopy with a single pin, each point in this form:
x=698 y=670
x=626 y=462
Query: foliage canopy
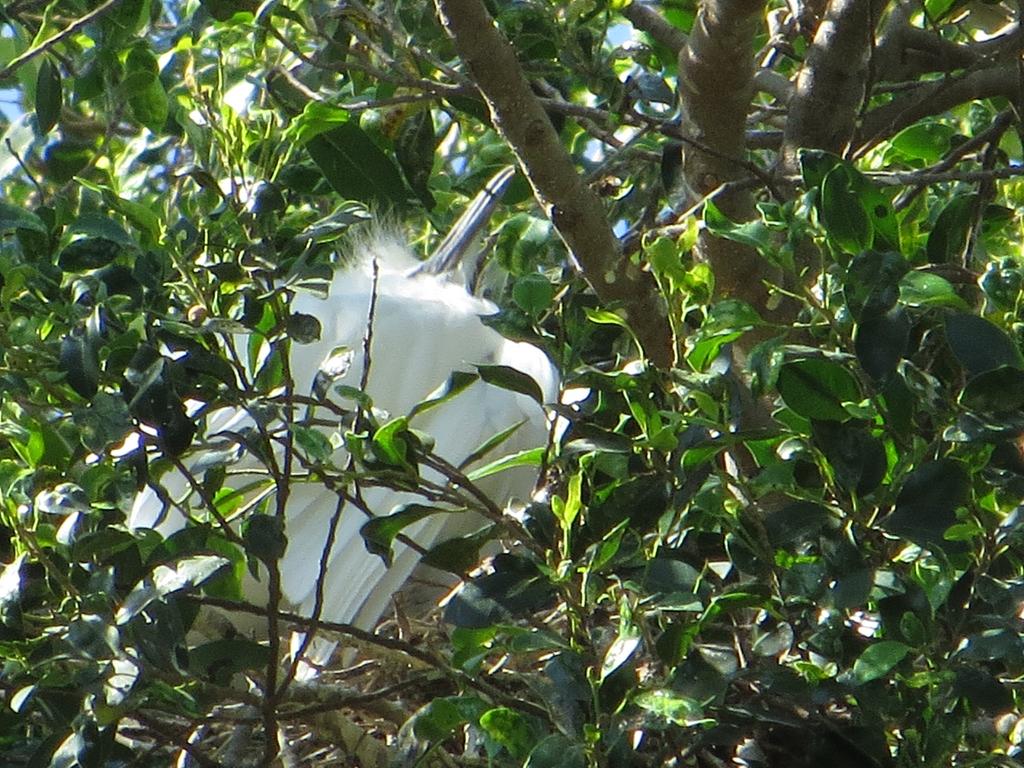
x=780 y=253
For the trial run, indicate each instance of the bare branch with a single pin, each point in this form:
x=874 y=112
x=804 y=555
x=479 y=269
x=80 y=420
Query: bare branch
x=573 y=208
x=646 y=19
x=931 y=98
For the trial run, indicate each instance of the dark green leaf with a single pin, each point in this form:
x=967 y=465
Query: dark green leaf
x=795 y=523
x=264 y=537
x=88 y=253
x=185 y=573
x=356 y=168
x=438 y=720
x=379 y=532
x=1000 y=390
x=877 y=660
x=948 y=237
x=982 y=689
x=857 y=457
x=556 y=751
x=979 y=345
x=458 y=555
x=872 y=284
x=512 y=379
x=842 y=211
x=12 y=217
x=456 y=383
x=817 y=389
x=881 y=341
x=414 y=149
x=219 y=660
x=927 y=502
x=303 y=328
x=79 y=362
x=49 y=96
x=815 y=165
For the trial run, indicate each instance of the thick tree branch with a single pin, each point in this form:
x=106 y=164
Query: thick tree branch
x=932 y=98
x=573 y=208
x=831 y=85
x=648 y=20
x=716 y=83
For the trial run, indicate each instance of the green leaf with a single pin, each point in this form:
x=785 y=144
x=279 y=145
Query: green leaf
x=356 y=168
x=49 y=96
x=556 y=751
x=842 y=211
x=872 y=281
x=669 y=705
x=88 y=253
x=509 y=729
x=185 y=573
x=391 y=445
x=528 y=458
x=264 y=537
x=313 y=442
x=927 y=141
x=317 y=117
x=533 y=293
x=923 y=289
x=457 y=382
x=438 y=720
x=379 y=532
x=877 y=660
x=1000 y=390
x=142 y=86
x=927 y=503
x=815 y=165
x=795 y=523
x=150 y=107
x=948 y=237
x=458 y=555
x=12 y=217
x=512 y=379
x=857 y=458
x=881 y=341
x=414 y=150
x=79 y=362
x=979 y=345
x=817 y=389
x=219 y=660
x=752 y=233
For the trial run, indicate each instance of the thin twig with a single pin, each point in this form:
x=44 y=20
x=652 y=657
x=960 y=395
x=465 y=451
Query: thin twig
x=49 y=42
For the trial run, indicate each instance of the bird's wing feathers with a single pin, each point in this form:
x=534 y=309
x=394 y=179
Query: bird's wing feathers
x=423 y=328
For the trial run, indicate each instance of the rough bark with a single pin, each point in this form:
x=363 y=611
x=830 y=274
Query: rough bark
x=716 y=84
x=574 y=209
x=831 y=85
x=936 y=97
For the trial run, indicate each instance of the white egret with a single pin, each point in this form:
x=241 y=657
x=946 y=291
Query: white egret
x=423 y=326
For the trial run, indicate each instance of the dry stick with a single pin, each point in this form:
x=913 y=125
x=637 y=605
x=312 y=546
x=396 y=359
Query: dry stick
x=573 y=208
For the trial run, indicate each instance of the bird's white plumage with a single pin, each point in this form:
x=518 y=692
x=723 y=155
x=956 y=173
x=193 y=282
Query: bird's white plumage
x=423 y=329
